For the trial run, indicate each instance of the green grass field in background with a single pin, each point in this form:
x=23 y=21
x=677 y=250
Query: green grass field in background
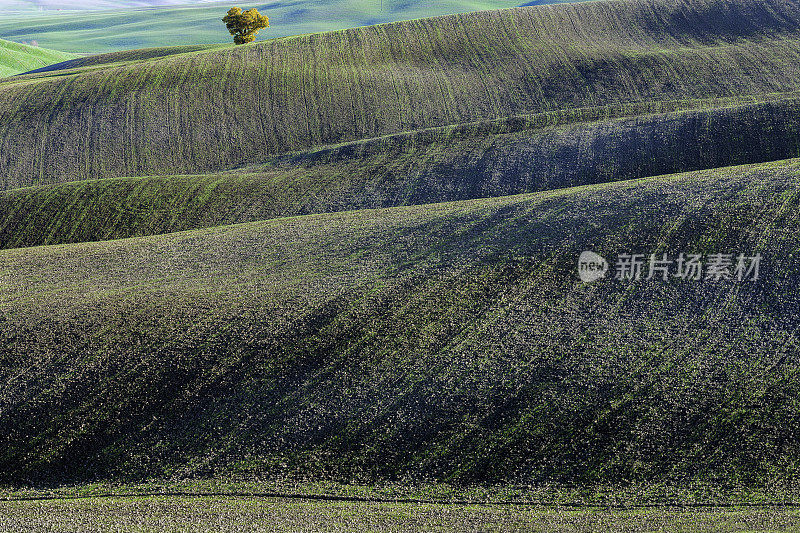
x=16 y=58
x=109 y=31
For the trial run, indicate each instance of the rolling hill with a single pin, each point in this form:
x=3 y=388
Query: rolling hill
x=351 y=255
x=496 y=158
x=449 y=341
x=217 y=109
x=17 y=58
x=31 y=6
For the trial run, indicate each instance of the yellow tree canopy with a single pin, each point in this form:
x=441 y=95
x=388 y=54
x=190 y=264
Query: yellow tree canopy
x=244 y=25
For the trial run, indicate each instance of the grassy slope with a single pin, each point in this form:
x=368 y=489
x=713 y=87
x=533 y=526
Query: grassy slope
x=448 y=342
x=217 y=109
x=521 y=154
x=115 y=30
x=16 y=58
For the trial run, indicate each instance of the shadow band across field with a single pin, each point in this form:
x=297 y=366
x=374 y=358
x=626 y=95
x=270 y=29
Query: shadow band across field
x=16 y=58
x=420 y=501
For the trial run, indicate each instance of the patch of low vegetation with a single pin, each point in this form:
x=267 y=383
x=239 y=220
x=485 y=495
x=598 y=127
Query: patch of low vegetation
x=223 y=514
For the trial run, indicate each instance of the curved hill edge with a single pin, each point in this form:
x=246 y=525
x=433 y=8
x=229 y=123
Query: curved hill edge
x=16 y=58
x=76 y=65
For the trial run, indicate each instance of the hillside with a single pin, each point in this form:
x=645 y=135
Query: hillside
x=211 y=110
x=40 y=6
x=120 y=58
x=448 y=341
x=16 y=58
x=352 y=255
x=496 y=158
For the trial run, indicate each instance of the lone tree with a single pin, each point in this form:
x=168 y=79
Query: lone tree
x=244 y=25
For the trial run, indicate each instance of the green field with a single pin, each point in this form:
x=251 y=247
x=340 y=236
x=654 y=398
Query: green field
x=212 y=110
x=348 y=260
x=303 y=346
x=16 y=58
x=173 y=514
x=91 y=32
x=495 y=158
x=263 y=506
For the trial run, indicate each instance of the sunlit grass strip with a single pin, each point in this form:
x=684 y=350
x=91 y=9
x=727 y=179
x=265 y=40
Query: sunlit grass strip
x=16 y=58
